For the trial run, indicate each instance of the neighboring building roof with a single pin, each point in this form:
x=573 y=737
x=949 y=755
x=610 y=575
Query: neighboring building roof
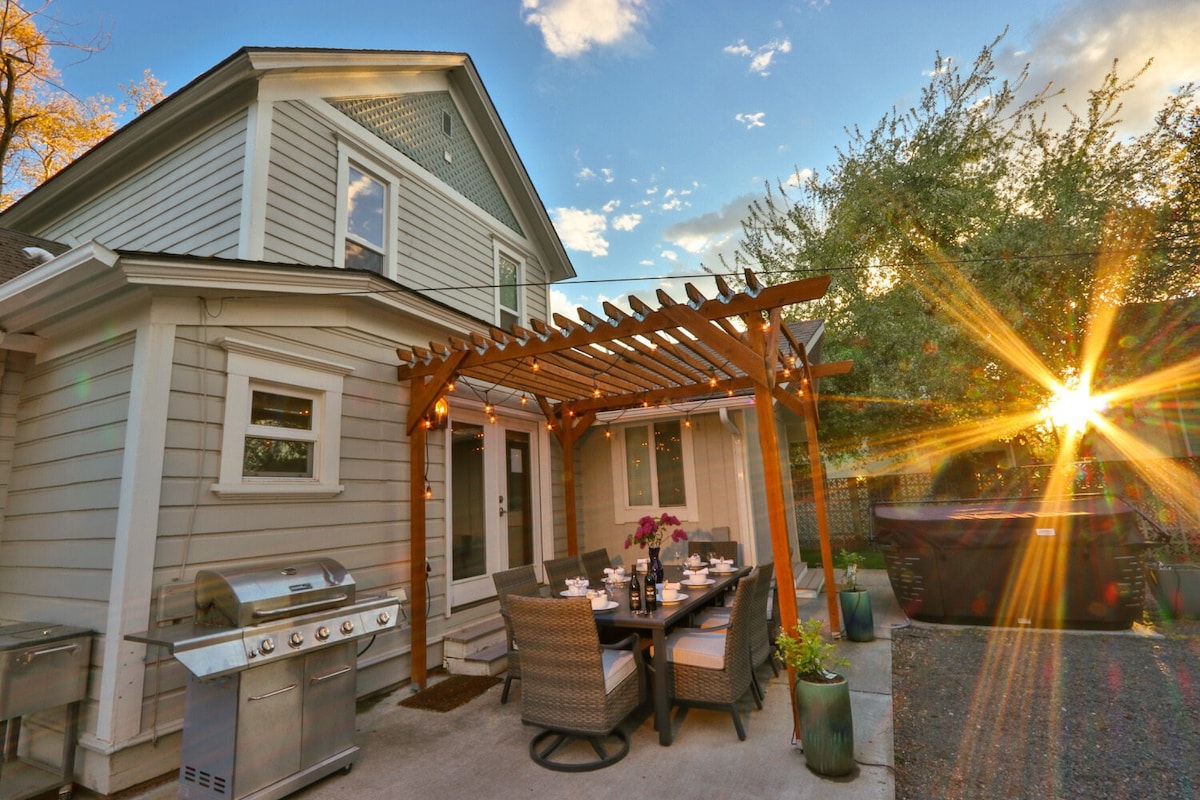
x=14 y=260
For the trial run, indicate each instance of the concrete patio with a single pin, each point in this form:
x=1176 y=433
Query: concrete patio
x=480 y=750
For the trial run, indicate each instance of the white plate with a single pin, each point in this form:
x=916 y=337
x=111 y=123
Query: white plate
x=609 y=606
x=567 y=593
x=706 y=582
x=678 y=599
x=722 y=569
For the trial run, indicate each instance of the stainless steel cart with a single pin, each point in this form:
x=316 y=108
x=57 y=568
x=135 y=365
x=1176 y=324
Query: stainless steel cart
x=43 y=666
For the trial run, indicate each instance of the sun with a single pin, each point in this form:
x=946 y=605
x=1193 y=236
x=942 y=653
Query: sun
x=1074 y=408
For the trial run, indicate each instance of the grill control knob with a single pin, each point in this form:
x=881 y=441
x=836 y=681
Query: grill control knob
x=296 y=639
x=267 y=646
x=348 y=627
x=322 y=633
x=384 y=618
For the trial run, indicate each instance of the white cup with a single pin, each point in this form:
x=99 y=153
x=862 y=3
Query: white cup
x=669 y=594
x=599 y=601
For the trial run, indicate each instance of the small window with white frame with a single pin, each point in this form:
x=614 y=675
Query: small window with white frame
x=509 y=289
x=366 y=215
x=282 y=425
x=652 y=468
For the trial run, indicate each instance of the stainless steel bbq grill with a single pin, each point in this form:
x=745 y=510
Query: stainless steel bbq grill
x=273 y=662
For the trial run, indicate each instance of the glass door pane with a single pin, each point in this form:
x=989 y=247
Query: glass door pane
x=468 y=517
x=519 y=498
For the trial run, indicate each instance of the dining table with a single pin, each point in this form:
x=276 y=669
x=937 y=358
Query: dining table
x=660 y=622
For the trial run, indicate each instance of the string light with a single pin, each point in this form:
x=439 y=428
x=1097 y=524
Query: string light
x=536 y=365
x=607 y=432
x=428 y=492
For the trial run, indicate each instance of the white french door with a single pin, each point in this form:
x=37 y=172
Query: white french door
x=493 y=501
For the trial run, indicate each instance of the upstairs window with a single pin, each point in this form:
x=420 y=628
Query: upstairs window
x=509 y=292
x=366 y=215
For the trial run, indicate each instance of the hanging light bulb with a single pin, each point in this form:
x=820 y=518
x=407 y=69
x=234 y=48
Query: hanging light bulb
x=428 y=492
x=536 y=365
x=687 y=421
x=607 y=432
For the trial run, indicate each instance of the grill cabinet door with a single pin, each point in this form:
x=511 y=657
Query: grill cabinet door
x=269 y=723
x=329 y=692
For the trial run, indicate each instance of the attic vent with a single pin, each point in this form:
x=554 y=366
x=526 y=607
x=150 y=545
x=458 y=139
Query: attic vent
x=447 y=123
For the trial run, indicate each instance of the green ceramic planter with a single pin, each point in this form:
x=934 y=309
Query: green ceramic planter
x=826 y=725
x=856 y=615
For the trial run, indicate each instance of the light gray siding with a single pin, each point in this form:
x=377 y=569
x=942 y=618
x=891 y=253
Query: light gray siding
x=187 y=202
x=64 y=485
x=301 y=188
x=444 y=248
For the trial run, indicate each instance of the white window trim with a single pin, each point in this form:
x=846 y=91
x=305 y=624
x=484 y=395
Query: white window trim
x=624 y=512
x=391 y=219
x=499 y=249
x=250 y=366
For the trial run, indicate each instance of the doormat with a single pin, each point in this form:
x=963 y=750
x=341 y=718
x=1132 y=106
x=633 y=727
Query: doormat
x=450 y=693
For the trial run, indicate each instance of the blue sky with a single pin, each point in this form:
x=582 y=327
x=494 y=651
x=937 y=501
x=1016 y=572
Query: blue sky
x=648 y=126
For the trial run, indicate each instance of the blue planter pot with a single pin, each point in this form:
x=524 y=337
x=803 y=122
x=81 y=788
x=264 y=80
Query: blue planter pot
x=856 y=615
x=826 y=725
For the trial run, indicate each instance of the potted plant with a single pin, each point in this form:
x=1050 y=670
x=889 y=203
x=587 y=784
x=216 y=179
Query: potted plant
x=854 y=601
x=822 y=698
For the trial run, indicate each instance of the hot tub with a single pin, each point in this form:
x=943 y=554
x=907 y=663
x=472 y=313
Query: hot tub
x=1051 y=563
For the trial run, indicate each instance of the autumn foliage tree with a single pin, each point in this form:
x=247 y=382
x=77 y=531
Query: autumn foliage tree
x=45 y=126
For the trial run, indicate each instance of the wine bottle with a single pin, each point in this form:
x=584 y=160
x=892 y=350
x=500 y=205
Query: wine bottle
x=635 y=593
x=651 y=589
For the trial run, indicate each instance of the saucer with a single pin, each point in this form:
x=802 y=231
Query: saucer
x=707 y=582
x=608 y=606
x=569 y=593
x=678 y=599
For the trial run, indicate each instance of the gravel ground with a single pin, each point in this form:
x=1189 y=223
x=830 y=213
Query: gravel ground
x=988 y=713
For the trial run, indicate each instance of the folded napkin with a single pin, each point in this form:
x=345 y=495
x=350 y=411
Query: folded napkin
x=618 y=573
x=697 y=573
x=671 y=585
x=721 y=563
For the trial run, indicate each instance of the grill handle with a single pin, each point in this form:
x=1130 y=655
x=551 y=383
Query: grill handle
x=329 y=602
x=320 y=678
x=29 y=655
x=287 y=688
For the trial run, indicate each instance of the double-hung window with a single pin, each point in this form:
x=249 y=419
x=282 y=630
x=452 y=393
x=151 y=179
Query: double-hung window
x=366 y=215
x=653 y=469
x=282 y=429
x=509 y=289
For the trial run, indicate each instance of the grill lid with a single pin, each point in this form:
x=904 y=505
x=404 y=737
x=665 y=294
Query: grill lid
x=253 y=595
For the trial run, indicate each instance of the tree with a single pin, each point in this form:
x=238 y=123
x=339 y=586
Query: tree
x=971 y=247
x=45 y=127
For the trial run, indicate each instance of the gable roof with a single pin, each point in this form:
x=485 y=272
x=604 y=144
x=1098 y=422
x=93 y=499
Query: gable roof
x=14 y=260
x=233 y=84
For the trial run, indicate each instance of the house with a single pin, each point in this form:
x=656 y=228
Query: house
x=199 y=339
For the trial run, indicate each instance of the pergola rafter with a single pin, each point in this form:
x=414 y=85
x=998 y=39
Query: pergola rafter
x=690 y=351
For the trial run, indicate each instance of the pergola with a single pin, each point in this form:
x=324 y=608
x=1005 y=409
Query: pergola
x=734 y=342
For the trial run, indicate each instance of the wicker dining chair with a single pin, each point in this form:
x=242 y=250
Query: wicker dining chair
x=594 y=563
x=711 y=669
x=722 y=549
x=523 y=582
x=573 y=686
x=761 y=649
x=559 y=569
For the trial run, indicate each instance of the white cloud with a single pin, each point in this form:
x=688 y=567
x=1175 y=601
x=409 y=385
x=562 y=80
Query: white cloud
x=708 y=231
x=1076 y=46
x=798 y=178
x=674 y=204
x=669 y=255
x=561 y=304
x=611 y=206
x=761 y=56
x=754 y=120
x=608 y=174
x=585 y=174
x=626 y=222
x=581 y=230
x=572 y=27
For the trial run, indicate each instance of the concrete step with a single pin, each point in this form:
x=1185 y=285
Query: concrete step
x=469 y=639
x=491 y=660
x=809 y=583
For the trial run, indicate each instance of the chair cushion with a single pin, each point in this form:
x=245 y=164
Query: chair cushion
x=697 y=648
x=618 y=665
x=713 y=617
